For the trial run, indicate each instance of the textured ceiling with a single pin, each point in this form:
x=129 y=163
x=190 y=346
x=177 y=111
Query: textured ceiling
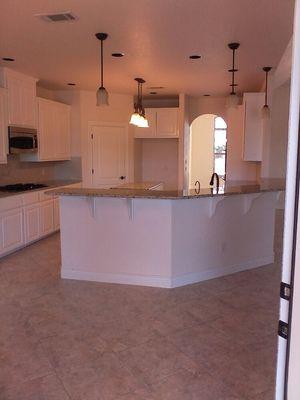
x=157 y=37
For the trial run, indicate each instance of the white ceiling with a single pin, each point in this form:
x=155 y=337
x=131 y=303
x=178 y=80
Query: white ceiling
x=157 y=36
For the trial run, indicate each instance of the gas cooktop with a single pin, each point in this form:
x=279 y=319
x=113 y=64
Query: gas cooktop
x=21 y=187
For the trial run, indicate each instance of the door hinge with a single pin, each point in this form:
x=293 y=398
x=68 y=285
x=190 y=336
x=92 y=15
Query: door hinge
x=93 y=170
x=285 y=291
x=283 y=329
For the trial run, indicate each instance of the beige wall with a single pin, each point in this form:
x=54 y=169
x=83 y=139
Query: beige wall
x=157 y=161
x=201 y=150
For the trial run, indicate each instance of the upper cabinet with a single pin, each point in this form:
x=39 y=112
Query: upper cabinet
x=3 y=127
x=53 y=132
x=21 y=98
x=253 y=126
x=163 y=123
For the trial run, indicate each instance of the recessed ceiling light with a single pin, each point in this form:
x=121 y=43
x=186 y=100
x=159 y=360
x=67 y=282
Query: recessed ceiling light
x=8 y=59
x=117 y=55
x=71 y=84
x=153 y=92
x=195 y=57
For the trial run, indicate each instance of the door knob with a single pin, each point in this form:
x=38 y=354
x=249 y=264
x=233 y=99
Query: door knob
x=122 y=177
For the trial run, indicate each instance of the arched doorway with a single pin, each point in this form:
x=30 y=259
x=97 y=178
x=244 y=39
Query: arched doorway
x=208 y=149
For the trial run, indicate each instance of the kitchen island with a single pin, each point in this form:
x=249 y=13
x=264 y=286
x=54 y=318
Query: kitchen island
x=166 y=238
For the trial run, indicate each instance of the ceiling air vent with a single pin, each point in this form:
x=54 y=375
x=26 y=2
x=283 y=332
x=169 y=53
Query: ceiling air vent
x=58 y=17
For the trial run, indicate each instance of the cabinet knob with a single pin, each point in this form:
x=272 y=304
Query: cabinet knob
x=122 y=177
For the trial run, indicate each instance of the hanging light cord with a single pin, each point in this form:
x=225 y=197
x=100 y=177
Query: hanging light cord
x=101 y=60
x=266 y=92
x=233 y=72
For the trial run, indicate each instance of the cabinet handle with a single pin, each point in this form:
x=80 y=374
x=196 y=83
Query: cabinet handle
x=122 y=177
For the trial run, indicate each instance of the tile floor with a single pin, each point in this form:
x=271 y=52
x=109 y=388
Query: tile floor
x=62 y=339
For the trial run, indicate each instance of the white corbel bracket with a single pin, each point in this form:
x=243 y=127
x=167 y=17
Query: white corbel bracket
x=212 y=205
x=130 y=208
x=249 y=200
x=92 y=206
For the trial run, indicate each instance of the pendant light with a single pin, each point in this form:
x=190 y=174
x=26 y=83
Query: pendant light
x=102 y=95
x=265 y=111
x=138 y=117
x=232 y=99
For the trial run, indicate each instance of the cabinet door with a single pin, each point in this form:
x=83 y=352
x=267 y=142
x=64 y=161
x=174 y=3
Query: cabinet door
x=56 y=214
x=147 y=132
x=12 y=230
x=46 y=217
x=62 y=131
x=32 y=223
x=3 y=127
x=167 y=122
x=253 y=126
x=46 y=125
x=21 y=100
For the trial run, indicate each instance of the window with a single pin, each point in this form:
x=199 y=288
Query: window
x=220 y=147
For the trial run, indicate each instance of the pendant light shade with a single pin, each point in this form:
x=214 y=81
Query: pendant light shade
x=102 y=94
x=138 y=117
x=102 y=97
x=265 y=111
x=233 y=99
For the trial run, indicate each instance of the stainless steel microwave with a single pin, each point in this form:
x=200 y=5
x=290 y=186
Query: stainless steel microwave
x=22 y=140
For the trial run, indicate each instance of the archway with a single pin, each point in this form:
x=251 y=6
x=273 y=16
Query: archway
x=208 y=149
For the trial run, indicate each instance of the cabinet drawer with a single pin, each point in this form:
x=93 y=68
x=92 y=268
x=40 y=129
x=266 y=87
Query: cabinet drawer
x=31 y=198
x=10 y=202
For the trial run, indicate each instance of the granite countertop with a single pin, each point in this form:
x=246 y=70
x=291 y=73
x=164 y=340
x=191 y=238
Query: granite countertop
x=50 y=184
x=140 y=185
x=230 y=188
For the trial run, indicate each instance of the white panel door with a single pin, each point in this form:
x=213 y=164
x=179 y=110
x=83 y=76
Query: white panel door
x=32 y=223
x=3 y=127
x=147 y=132
x=167 y=122
x=109 y=155
x=46 y=217
x=12 y=230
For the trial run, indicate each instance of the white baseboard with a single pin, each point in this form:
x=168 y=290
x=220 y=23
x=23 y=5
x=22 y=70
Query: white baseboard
x=164 y=282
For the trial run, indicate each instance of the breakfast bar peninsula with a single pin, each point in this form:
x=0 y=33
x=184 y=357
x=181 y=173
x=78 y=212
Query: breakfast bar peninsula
x=166 y=238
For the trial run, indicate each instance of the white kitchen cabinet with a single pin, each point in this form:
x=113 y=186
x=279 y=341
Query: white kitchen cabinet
x=12 y=229
x=3 y=126
x=46 y=217
x=32 y=223
x=253 y=126
x=53 y=132
x=163 y=123
x=21 y=98
x=167 y=122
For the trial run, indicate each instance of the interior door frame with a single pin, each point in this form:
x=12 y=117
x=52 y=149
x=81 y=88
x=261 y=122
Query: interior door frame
x=102 y=124
x=287 y=379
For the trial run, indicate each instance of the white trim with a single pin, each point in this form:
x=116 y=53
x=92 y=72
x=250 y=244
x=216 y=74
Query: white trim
x=142 y=280
x=219 y=272
x=164 y=282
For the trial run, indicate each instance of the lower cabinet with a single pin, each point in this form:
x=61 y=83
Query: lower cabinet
x=46 y=217
x=32 y=223
x=12 y=230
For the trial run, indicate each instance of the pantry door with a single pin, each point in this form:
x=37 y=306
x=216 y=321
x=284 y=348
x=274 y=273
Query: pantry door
x=109 y=154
